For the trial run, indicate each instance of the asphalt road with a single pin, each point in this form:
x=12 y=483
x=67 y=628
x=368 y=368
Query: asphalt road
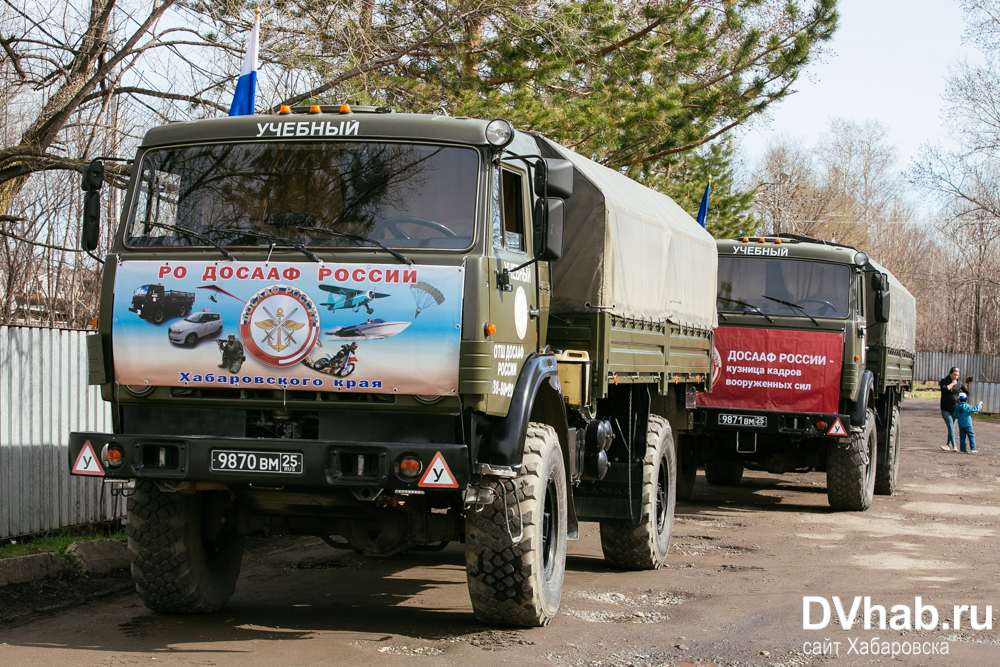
x=742 y=559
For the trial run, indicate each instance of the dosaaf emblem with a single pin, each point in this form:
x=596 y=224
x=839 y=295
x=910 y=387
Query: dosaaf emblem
x=279 y=325
x=716 y=365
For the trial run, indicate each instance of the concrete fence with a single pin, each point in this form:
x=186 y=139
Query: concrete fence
x=932 y=366
x=43 y=396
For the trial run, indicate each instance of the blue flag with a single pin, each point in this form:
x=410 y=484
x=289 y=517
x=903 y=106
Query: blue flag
x=246 y=87
x=703 y=209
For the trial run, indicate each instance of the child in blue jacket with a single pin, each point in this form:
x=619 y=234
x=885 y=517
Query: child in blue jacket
x=963 y=416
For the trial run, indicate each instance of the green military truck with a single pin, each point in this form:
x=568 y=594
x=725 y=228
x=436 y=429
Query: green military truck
x=535 y=329
x=813 y=354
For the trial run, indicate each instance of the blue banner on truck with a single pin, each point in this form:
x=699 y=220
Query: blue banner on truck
x=305 y=326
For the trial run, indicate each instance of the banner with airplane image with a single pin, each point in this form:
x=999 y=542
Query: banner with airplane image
x=380 y=328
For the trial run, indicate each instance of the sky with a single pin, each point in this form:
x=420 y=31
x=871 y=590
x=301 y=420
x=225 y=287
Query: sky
x=887 y=62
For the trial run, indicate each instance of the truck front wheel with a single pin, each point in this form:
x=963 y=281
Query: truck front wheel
x=519 y=582
x=643 y=546
x=157 y=316
x=185 y=560
x=723 y=472
x=850 y=469
x=887 y=471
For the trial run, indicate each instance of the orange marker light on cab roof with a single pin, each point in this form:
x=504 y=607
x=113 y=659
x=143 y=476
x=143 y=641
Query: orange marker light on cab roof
x=760 y=240
x=490 y=328
x=94 y=322
x=284 y=109
x=314 y=109
x=345 y=108
x=745 y=239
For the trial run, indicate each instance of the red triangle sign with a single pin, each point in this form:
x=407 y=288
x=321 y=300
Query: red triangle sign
x=87 y=463
x=837 y=428
x=438 y=475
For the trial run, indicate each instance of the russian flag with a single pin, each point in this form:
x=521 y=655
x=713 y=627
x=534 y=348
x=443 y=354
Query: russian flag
x=246 y=87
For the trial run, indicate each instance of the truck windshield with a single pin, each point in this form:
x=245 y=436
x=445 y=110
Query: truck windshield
x=404 y=195
x=754 y=285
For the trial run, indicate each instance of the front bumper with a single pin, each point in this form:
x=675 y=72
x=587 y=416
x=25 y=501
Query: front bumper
x=794 y=424
x=347 y=465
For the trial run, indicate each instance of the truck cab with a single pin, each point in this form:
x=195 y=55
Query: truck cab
x=805 y=376
x=385 y=375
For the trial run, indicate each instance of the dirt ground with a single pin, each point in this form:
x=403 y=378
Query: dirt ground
x=742 y=559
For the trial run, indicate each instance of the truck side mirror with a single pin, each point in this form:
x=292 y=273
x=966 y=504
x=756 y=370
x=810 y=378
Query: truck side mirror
x=93 y=176
x=881 y=297
x=549 y=229
x=90 y=228
x=560 y=175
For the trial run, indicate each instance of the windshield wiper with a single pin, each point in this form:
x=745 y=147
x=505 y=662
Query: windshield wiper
x=275 y=237
x=747 y=306
x=197 y=235
x=357 y=237
x=792 y=305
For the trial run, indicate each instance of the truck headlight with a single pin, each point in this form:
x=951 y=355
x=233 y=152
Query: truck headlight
x=499 y=133
x=139 y=389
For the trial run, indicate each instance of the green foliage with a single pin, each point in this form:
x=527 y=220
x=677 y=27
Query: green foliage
x=729 y=208
x=57 y=543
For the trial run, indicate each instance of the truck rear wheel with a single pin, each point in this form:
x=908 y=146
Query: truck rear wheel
x=644 y=546
x=887 y=471
x=723 y=473
x=850 y=469
x=687 y=469
x=184 y=559
x=520 y=582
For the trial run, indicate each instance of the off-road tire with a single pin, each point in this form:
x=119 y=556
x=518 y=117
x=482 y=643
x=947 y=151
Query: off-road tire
x=887 y=472
x=521 y=583
x=850 y=481
x=643 y=546
x=157 y=316
x=185 y=311
x=724 y=472
x=687 y=469
x=174 y=570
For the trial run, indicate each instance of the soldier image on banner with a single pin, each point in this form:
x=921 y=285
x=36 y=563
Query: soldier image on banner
x=232 y=354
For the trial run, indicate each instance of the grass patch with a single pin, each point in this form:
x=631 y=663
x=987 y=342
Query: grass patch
x=925 y=390
x=57 y=543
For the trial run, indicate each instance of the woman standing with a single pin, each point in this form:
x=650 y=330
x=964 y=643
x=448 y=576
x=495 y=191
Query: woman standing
x=950 y=389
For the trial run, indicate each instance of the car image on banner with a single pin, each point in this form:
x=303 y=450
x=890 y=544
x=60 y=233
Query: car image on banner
x=767 y=369
x=280 y=321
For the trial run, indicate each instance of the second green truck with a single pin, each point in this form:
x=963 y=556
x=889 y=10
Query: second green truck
x=813 y=354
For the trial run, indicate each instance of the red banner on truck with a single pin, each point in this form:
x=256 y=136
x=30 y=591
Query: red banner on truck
x=768 y=369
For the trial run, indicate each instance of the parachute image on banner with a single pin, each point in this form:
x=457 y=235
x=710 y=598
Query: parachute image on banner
x=426 y=296
x=320 y=327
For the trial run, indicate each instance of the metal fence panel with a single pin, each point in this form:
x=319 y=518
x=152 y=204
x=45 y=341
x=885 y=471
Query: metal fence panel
x=43 y=396
x=931 y=366
x=988 y=393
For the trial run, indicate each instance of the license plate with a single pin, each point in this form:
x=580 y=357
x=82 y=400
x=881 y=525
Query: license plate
x=228 y=460
x=756 y=421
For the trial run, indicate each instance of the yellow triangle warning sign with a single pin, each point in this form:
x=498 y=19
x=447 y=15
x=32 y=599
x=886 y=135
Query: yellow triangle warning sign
x=837 y=428
x=86 y=462
x=438 y=475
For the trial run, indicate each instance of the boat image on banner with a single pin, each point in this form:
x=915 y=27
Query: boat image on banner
x=291 y=325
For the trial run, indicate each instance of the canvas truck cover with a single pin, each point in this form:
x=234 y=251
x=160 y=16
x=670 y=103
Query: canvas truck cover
x=902 y=314
x=631 y=251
